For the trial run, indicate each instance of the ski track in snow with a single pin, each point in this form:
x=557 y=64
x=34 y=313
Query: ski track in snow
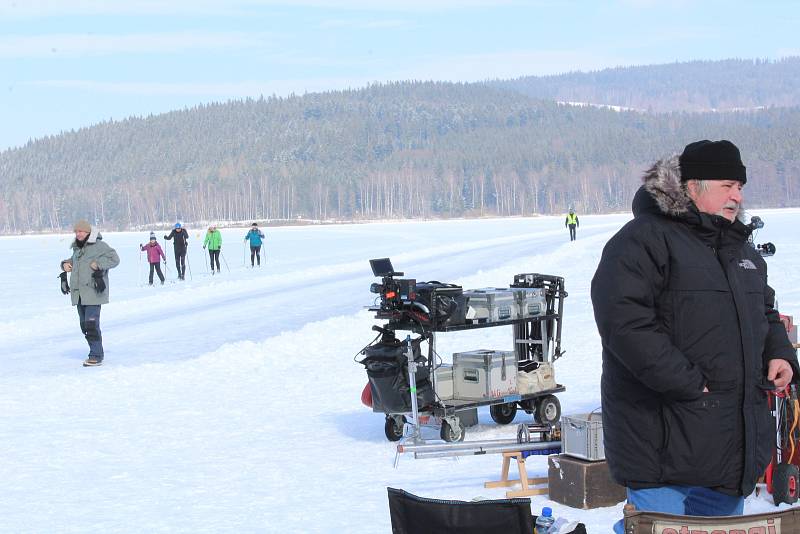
x=232 y=403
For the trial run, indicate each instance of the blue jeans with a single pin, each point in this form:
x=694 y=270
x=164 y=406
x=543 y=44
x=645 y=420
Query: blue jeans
x=683 y=500
x=90 y=326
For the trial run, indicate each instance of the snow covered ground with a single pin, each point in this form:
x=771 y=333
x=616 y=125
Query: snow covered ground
x=231 y=403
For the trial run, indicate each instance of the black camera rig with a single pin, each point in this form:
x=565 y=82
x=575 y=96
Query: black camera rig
x=395 y=293
x=426 y=304
x=765 y=249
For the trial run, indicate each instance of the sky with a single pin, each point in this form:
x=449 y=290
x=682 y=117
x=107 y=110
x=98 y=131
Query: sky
x=68 y=64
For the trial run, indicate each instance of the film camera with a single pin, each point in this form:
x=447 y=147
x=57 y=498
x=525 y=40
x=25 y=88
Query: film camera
x=395 y=293
x=765 y=249
x=429 y=303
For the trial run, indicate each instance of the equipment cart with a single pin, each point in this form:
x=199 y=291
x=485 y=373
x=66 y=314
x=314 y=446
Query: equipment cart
x=427 y=309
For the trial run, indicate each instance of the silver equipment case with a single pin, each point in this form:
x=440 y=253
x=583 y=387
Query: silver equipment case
x=491 y=305
x=483 y=374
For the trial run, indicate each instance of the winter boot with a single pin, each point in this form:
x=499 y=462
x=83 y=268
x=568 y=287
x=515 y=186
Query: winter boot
x=92 y=361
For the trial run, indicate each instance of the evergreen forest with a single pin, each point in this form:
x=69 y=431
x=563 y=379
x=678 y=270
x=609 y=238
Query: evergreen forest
x=412 y=149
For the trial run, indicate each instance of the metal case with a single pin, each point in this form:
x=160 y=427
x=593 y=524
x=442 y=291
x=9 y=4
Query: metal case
x=444 y=381
x=484 y=374
x=582 y=436
x=491 y=305
x=530 y=301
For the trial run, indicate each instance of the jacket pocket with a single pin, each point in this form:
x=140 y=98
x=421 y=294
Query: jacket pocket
x=703 y=440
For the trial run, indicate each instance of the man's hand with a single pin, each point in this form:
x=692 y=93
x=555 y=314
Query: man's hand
x=94 y=266
x=67 y=266
x=779 y=373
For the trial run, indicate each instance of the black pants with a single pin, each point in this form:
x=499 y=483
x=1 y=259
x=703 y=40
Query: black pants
x=180 y=262
x=255 y=252
x=214 y=257
x=90 y=326
x=572 y=232
x=157 y=267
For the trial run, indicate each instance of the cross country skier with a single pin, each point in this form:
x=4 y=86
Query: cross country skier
x=255 y=236
x=181 y=243
x=213 y=241
x=154 y=255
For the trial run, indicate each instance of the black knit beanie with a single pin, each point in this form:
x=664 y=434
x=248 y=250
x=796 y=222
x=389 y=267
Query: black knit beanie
x=712 y=160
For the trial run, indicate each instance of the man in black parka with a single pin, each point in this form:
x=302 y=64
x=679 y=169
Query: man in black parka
x=690 y=338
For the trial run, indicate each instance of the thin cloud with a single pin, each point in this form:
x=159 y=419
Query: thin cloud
x=21 y=9
x=209 y=91
x=365 y=24
x=505 y=65
x=76 y=45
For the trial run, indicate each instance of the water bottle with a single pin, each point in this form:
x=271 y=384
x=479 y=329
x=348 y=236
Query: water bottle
x=545 y=521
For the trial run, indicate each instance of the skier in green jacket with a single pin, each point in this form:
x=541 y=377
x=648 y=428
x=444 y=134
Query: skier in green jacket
x=88 y=267
x=213 y=242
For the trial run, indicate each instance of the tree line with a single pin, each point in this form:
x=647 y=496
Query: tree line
x=396 y=150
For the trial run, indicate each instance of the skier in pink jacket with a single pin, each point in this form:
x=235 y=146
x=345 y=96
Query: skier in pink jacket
x=154 y=256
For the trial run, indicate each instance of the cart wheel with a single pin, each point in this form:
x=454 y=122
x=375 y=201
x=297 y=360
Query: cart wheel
x=450 y=434
x=529 y=405
x=502 y=414
x=548 y=410
x=785 y=483
x=394 y=427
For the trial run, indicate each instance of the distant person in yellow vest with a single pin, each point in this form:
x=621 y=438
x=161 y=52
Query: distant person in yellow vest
x=571 y=223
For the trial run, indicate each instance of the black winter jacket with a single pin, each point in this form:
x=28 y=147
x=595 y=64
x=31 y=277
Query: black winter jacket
x=181 y=239
x=681 y=302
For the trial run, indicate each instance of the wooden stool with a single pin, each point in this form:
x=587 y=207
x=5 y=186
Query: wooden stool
x=526 y=482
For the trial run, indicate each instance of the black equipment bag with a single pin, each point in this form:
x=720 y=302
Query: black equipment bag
x=417 y=515
x=448 y=307
x=387 y=369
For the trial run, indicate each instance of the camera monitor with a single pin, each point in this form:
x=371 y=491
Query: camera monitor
x=382 y=267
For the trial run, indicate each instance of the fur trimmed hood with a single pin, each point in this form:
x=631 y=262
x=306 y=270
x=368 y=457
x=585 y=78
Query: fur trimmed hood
x=663 y=182
x=93 y=237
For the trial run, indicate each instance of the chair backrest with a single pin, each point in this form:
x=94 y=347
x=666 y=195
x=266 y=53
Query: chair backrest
x=418 y=515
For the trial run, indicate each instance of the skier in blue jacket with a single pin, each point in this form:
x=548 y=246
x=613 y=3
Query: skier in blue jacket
x=256 y=237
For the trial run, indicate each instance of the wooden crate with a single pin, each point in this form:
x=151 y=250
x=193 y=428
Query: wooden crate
x=582 y=484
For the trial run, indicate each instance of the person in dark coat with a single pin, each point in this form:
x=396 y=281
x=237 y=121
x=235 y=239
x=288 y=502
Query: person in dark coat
x=691 y=339
x=180 y=245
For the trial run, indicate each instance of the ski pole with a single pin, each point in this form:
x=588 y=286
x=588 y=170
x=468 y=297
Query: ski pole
x=224 y=260
x=139 y=271
x=166 y=259
x=188 y=263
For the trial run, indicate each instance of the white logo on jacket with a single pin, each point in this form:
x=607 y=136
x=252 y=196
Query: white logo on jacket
x=747 y=264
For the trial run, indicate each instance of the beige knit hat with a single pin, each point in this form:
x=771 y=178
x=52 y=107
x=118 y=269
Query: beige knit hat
x=83 y=226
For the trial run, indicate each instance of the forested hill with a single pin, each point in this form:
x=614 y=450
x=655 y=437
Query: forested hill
x=729 y=85
x=406 y=149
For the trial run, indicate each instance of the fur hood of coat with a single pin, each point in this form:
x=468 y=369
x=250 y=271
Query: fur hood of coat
x=93 y=238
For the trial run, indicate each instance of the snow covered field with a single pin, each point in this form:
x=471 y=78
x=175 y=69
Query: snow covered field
x=231 y=403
